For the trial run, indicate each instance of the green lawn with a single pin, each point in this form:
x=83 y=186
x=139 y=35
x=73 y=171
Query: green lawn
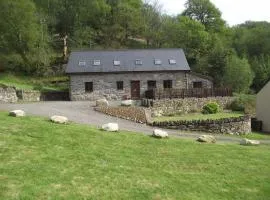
x=42 y=160
x=199 y=116
x=34 y=83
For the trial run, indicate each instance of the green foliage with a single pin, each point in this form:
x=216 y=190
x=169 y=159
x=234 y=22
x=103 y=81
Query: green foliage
x=211 y=108
x=238 y=74
x=24 y=40
x=19 y=81
x=205 y=12
x=42 y=160
x=244 y=103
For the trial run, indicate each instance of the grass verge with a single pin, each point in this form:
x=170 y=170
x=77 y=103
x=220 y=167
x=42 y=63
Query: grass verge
x=34 y=83
x=42 y=160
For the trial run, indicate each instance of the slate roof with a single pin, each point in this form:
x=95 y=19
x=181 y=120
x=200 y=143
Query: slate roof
x=127 y=60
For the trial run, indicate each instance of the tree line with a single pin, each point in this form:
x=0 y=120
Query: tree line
x=33 y=34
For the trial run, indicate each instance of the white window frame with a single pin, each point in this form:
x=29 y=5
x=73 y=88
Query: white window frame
x=138 y=62
x=96 y=62
x=116 y=63
x=157 y=62
x=82 y=63
x=172 y=61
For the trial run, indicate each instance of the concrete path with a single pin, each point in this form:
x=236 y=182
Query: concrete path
x=83 y=112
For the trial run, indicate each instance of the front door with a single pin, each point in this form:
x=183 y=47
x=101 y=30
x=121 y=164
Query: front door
x=135 y=89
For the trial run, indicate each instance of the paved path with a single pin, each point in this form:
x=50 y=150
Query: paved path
x=83 y=112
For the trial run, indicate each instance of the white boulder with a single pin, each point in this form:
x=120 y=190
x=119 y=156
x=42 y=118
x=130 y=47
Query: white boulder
x=207 y=139
x=112 y=127
x=17 y=113
x=126 y=103
x=59 y=119
x=249 y=142
x=102 y=102
x=160 y=133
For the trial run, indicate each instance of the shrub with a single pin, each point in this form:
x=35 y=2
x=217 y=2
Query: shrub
x=244 y=103
x=210 y=108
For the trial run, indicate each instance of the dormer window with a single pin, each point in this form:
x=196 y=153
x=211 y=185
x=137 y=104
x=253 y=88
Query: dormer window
x=138 y=62
x=116 y=62
x=157 y=62
x=172 y=61
x=96 y=62
x=82 y=63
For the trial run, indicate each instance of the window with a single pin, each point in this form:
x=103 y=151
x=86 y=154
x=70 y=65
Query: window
x=157 y=62
x=172 y=61
x=197 y=84
x=167 y=84
x=96 y=62
x=82 y=63
x=88 y=87
x=151 y=85
x=138 y=62
x=116 y=62
x=120 y=85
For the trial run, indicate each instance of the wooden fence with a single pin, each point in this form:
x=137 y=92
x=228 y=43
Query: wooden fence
x=184 y=93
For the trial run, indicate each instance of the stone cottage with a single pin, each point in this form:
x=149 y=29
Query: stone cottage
x=118 y=74
x=263 y=107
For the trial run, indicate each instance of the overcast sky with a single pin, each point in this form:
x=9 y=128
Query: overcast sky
x=233 y=11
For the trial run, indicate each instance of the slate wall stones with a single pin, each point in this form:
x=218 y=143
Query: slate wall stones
x=8 y=95
x=28 y=95
x=131 y=113
x=183 y=106
x=236 y=125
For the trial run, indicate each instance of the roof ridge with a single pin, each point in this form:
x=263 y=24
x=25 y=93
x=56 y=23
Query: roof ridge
x=117 y=50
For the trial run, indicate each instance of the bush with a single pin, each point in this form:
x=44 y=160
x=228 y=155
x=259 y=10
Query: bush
x=244 y=103
x=211 y=108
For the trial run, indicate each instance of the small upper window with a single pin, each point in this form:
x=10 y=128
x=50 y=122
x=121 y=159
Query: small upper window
x=157 y=62
x=172 y=61
x=138 y=62
x=96 y=62
x=116 y=62
x=82 y=63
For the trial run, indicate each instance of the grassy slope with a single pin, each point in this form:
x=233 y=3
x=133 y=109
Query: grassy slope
x=199 y=116
x=41 y=160
x=36 y=83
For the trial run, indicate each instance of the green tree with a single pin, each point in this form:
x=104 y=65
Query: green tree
x=205 y=12
x=24 y=39
x=261 y=67
x=238 y=74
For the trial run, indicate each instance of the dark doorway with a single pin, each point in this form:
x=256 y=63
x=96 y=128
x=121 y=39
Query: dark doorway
x=135 y=89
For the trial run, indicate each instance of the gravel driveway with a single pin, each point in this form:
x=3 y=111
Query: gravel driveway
x=83 y=112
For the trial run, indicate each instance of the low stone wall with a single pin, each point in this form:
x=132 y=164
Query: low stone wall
x=130 y=113
x=8 y=95
x=28 y=95
x=239 y=125
x=183 y=106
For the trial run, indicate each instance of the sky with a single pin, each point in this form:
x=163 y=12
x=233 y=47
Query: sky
x=233 y=11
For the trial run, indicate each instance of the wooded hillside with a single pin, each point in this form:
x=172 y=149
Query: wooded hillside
x=33 y=33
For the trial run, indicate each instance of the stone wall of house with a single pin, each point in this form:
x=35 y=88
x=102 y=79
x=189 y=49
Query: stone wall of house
x=136 y=114
x=237 y=126
x=28 y=95
x=8 y=95
x=192 y=77
x=182 y=106
x=104 y=85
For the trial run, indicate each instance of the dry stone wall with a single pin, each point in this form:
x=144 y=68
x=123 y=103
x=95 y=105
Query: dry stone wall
x=237 y=126
x=183 y=106
x=28 y=95
x=130 y=113
x=8 y=95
